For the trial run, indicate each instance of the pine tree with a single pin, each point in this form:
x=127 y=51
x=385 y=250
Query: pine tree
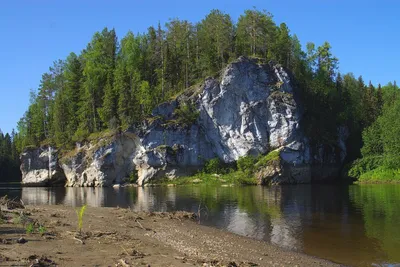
x=282 y=47
x=379 y=99
x=99 y=66
x=108 y=111
x=256 y=33
x=73 y=92
x=127 y=76
x=215 y=34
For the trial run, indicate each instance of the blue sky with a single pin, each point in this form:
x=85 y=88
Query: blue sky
x=364 y=34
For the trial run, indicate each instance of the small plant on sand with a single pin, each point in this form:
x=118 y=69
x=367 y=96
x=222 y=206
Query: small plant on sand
x=21 y=218
x=42 y=229
x=30 y=228
x=80 y=213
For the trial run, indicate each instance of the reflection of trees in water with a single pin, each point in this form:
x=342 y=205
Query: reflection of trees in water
x=332 y=226
x=249 y=211
x=380 y=207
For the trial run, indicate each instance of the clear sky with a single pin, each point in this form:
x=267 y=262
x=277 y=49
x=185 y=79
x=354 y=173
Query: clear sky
x=364 y=34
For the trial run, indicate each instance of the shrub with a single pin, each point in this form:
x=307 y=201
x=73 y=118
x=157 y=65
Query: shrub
x=213 y=166
x=380 y=174
x=80 y=135
x=186 y=114
x=246 y=164
x=272 y=156
x=364 y=165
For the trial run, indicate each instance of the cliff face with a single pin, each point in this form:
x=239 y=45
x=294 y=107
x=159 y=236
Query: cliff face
x=39 y=167
x=251 y=110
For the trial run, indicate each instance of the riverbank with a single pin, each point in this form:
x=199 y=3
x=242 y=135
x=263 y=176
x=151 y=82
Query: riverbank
x=121 y=237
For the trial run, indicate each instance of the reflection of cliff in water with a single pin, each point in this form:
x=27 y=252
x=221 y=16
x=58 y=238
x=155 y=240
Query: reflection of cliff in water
x=100 y=197
x=42 y=195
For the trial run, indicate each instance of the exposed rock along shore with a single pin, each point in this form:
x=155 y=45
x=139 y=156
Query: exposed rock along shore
x=252 y=109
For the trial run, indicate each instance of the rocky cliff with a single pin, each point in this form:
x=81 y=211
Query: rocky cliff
x=251 y=109
x=39 y=167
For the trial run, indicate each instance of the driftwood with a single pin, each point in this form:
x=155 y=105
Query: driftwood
x=11 y=204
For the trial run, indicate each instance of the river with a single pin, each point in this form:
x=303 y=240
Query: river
x=355 y=225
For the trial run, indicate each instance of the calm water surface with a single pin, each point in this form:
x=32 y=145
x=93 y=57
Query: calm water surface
x=356 y=225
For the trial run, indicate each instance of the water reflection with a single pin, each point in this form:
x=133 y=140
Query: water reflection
x=355 y=225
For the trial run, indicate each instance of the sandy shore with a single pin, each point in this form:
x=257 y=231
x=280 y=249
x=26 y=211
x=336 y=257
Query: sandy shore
x=121 y=237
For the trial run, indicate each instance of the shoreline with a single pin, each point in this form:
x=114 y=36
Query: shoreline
x=188 y=182
x=121 y=237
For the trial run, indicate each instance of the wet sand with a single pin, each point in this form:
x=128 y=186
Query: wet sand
x=121 y=237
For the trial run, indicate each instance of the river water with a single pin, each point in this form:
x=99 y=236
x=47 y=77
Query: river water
x=356 y=225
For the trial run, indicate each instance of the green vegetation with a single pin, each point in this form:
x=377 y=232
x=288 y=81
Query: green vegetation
x=233 y=178
x=214 y=165
x=9 y=158
x=30 y=228
x=380 y=160
x=246 y=164
x=380 y=175
x=42 y=229
x=380 y=208
x=242 y=172
x=186 y=114
x=272 y=156
x=80 y=212
x=250 y=199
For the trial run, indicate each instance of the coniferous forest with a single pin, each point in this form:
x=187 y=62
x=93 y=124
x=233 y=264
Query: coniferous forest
x=114 y=84
x=9 y=158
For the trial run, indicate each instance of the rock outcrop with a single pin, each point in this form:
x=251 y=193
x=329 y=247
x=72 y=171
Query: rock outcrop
x=39 y=167
x=251 y=109
x=107 y=161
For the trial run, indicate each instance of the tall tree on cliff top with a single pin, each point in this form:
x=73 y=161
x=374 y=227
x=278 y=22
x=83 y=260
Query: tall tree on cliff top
x=327 y=63
x=282 y=48
x=108 y=111
x=179 y=62
x=379 y=99
x=161 y=62
x=73 y=91
x=99 y=66
x=215 y=34
x=256 y=33
x=127 y=77
x=60 y=117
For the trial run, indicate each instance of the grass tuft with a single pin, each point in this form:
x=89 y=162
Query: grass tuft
x=30 y=228
x=80 y=212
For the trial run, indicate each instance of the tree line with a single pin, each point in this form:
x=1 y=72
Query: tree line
x=9 y=158
x=114 y=84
